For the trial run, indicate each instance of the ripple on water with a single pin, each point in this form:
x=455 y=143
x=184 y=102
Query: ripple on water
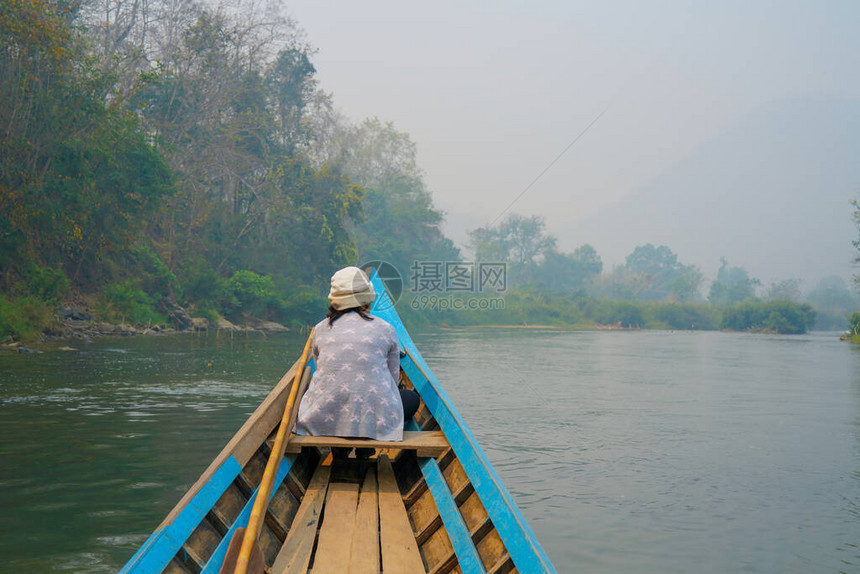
x=53 y=506
x=126 y=540
x=89 y=562
x=141 y=485
x=19 y=400
x=107 y=513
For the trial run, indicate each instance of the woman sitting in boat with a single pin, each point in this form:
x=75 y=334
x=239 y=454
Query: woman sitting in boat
x=354 y=391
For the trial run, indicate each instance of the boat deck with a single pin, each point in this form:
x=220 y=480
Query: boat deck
x=352 y=519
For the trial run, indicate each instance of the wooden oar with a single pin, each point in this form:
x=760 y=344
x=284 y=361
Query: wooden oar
x=249 y=541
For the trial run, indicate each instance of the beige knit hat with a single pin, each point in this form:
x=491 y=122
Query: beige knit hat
x=350 y=288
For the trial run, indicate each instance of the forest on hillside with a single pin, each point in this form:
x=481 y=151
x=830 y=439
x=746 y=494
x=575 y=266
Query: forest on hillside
x=169 y=154
x=170 y=149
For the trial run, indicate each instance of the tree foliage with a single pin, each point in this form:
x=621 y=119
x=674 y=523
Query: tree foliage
x=785 y=290
x=653 y=274
x=733 y=285
x=772 y=316
x=400 y=223
x=569 y=272
x=519 y=240
x=78 y=174
x=856 y=242
x=172 y=149
x=834 y=303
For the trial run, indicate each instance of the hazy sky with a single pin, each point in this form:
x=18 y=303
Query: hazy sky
x=493 y=92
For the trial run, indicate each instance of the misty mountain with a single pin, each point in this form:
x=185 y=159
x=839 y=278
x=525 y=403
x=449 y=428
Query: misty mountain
x=771 y=193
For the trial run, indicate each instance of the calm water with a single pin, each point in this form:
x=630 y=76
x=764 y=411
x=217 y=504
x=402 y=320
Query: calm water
x=627 y=451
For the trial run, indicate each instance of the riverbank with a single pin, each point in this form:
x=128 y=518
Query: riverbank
x=73 y=324
x=525 y=309
x=574 y=327
x=82 y=335
x=32 y=321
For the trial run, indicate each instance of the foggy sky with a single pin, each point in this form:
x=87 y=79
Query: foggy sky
x=492 y=92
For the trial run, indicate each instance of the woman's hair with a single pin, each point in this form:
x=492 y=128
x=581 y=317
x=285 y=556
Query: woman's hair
x=335 y=314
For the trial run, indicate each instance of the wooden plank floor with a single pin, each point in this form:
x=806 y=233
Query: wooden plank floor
x=363 y=529
x=364 y=556
x=295 y=554
x=336 y=535
x=399 y=549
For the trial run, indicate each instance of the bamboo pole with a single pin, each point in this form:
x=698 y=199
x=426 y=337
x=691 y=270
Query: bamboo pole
x=258 y=511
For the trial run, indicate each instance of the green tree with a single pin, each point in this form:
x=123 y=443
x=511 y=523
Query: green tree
x=831 y=294
x=400 y=225
x=733 y=285
x=78 y=173
x=569 y=272
x=520 y=241
x=307 y=232
x=833 y=302
x=773 y=316
x=785 y=290
x=856 y=242
x=652 y=260
x=653 y=274
x=234 y=127
x=685 y=286
x=291 y=81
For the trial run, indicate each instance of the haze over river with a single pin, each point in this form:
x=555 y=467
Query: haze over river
x=637 y=452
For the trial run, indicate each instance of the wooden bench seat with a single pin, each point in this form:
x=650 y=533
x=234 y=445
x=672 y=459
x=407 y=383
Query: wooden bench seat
x=425 y=443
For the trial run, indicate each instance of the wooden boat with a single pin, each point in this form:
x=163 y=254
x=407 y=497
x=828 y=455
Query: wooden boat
x=432 y=503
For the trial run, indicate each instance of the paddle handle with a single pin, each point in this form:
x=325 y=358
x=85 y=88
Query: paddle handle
x=258 y=511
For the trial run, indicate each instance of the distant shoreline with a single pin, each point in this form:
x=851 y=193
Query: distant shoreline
x=577 y=327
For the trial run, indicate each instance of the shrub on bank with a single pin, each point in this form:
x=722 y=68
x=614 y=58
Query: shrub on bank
x=301 y=307
x=124 y=302
x=250 y=292
x=782 y=317
x=687 y=316
x=200 y=283
x=46 y=284
x=26 y=318
x=853 y=334
x=517 y=307
x=627 y=314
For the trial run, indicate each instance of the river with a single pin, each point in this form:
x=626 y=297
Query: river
x=639 y=451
